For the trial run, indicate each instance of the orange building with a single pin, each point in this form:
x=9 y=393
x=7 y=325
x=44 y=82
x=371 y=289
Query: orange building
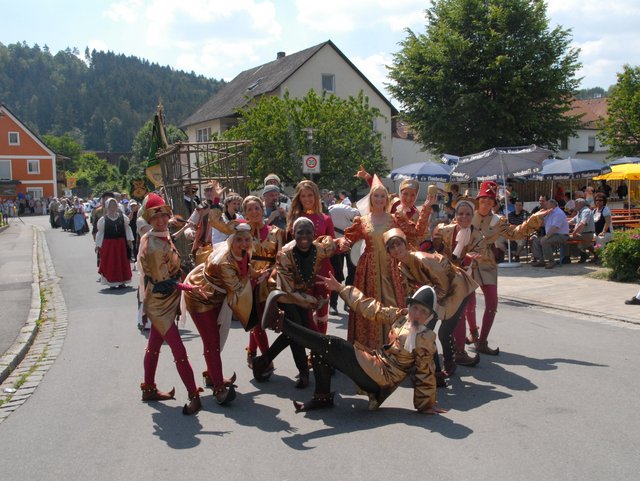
x=27 y=165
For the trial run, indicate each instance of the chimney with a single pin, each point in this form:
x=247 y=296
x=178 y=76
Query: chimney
x=280 y=55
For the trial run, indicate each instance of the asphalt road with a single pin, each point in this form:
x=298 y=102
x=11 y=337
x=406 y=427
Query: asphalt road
x=560 y=402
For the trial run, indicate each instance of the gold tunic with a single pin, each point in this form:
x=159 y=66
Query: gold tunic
x=221 y=279
x=289 y=277
x=451 y=283
x=391 y=364
x=160 y=262
x=264 y=255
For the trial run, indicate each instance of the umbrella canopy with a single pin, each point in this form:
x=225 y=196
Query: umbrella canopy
x=625 y=160
x=621 y=172
x=423 y=172
x=559 y=169
x=500 y=163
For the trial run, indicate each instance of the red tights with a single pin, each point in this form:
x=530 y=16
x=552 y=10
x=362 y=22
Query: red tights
x=490 y=292
x=257 y=336
x=207 y=324
x=172 y=337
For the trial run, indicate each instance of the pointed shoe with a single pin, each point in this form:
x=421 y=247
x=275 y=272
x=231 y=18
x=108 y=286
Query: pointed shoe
x=194 y=405
x=224 y=394
x=462 y=358
x=473 y=337
x=262 y=369
x=318 y=401
x=483 y=347
x=151 y=393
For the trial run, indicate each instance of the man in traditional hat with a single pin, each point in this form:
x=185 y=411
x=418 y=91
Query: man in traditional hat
x=379 y=372
x=485 y=269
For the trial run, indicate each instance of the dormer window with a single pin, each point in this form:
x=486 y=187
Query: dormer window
x=254 y=84
x=329 y=83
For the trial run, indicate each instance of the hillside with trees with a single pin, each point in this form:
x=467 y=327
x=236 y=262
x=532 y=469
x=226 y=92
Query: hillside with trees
x=101 y=100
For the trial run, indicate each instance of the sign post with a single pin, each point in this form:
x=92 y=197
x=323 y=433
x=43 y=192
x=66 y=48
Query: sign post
x=311 y=164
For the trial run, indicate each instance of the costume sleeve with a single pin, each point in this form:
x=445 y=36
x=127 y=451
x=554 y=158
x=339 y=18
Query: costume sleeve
x=232 y=284
x=100 y=233
x=424 y=391
x=416 y=229
x=285 y=281
x=355 y=231
x=217 y=222
x=522 y=231
x=370 y=308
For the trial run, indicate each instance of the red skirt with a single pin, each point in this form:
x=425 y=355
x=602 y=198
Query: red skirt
x=114 y=263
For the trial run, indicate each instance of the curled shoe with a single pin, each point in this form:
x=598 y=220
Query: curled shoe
x=250 y=357
x=473 y=337
x=463 y=359
x=224 y=394
x=151 y=393
x=303 y=380
x=272 y=317
x=194 y=405
x=262 y=369
x=230 y=381
x=483 y=347
x=318 y=401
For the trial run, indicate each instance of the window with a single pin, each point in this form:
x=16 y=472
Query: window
x=35 y=192
x=592 y=143
x=5 y=170
x=203 y=135
x=33 y=166
x=564 y=144
x=14 y=138
x=328 y=83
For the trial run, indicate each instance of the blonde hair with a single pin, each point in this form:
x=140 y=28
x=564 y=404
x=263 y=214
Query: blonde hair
x=386 y=195
x=252 y=198
x=296 y=206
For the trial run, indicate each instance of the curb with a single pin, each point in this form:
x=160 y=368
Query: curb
x=556 y=307
x=17 y=352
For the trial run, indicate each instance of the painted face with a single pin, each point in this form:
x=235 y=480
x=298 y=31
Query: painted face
x=253 y=212
x=464 y=215
x=408 y=197
x=241 y=243
x=418 y=314
x=303 y=236
x=307 y=199
x=485 y=204
x=160 y=222
x=379 y=198
x=397 y=248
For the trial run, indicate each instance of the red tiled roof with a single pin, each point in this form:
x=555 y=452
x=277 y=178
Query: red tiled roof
x=593 y=110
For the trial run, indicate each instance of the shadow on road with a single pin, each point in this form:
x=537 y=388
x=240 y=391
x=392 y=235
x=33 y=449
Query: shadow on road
x=177 y=430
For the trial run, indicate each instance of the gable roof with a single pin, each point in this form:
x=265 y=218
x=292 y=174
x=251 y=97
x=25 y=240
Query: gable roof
x=593 y=110
x=262 y=80
x=6 y=111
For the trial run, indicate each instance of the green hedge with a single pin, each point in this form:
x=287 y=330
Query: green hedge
x=622 y=255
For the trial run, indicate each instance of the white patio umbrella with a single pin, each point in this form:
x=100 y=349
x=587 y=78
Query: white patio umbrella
x=498 y=164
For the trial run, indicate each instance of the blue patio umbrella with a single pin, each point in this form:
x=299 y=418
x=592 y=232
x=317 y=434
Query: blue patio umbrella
x=625 y=160
x=567 y=169
x=500 y=163
x=423 y=172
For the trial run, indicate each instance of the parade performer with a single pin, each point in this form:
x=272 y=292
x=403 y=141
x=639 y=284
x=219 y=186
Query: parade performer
x=378 y=372
x=307 y=203
x=452 y=285
x=297 y=265
x=375 y=273
x=160 y=264
x=114 y=234
x=485 y=270
x=226 y=280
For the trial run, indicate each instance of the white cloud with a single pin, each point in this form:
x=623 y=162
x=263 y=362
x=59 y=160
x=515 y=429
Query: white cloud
x=373 y=67
x=125 y=11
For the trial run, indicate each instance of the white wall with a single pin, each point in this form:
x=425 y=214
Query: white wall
x=577 y=147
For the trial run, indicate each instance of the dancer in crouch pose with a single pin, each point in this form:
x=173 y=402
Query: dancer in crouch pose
x=377 y=372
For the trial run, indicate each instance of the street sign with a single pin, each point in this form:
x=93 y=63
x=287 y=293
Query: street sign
x=311 y=164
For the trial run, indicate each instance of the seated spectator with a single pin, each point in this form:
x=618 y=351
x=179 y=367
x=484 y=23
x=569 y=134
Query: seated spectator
x=569 y=204
x=584 y=230
x=602 y=221
x=556 y=228
x=517 y=217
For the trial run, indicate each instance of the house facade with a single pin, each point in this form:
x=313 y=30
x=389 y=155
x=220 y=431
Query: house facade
x=321 y=68
x=585 y=143
x=27 y=165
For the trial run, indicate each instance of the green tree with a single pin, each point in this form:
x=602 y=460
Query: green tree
x=486 y=73
x=141 y=143
x=343 y=137
x=621 y=129
x=66 y=146
x=95 y=176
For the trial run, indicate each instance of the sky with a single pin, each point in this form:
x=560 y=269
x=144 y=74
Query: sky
x=221 y=38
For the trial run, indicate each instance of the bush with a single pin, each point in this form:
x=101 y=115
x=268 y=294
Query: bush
x=622 y=255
